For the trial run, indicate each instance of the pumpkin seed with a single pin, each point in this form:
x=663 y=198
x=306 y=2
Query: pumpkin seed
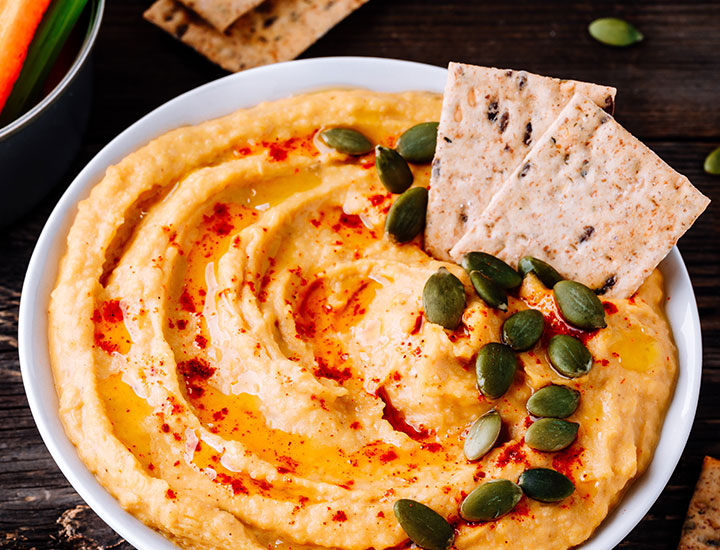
x=712 y=162
x=424 y=526
x=551 y=434
x=392 y=169
x=417 y=145
x=406 y=218
x=523 y=329
x=482 y=435
x=491 y=294
x=495 y=368
x=493 y=268
x=543 y=271
x=553 y=401
x=579 y=305
x=545 y=485
x=614 y=32
x=569 y=356
x=491 y=500
x=444 y=299
x=346 y=140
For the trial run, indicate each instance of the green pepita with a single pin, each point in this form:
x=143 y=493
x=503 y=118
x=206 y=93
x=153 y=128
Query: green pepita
x=553 y=401
x=406 y=218
x=493 y=268
x=491 y=294
x=392 y=169
x=417 y=145
x=569 y=356
x=482 y=435
x=491 y=500
x=551 y=434
x=545 y=485
x=495 y=368
x=712 y=162
x=542 y=270
x=346 y=140
x=444 y=299
x=579 y=305
x=614 y=32
x=523 y=329
x=424 y=526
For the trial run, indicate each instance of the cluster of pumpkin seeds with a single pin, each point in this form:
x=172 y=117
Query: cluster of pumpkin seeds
x=496 y=363
x=406 y=217
x=444 y=304
x=487 y=502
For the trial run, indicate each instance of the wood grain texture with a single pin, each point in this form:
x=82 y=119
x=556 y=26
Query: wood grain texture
x=668 y=90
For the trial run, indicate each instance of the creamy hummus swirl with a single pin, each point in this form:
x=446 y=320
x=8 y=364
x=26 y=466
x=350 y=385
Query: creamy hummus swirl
x=242 y=360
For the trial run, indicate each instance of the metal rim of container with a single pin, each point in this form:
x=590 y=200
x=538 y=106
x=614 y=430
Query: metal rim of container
x=90 y=37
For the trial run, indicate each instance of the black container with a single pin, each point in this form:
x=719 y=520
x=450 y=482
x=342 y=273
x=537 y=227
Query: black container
x=36 y=149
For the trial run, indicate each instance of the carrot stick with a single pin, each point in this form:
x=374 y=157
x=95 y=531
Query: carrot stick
x=18 y=21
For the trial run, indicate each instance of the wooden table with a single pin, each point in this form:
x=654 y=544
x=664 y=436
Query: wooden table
x=668 y=95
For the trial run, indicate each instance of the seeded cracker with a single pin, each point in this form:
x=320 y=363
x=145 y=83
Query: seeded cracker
x=490 y=119
x=701 y=530
x=591 y=200
x=276 y=30
x=221 y=13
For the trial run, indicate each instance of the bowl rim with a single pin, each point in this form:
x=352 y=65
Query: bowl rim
x=318 y=73
x=89 y=41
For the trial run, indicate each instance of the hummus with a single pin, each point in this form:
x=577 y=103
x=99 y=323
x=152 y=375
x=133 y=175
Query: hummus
x=242 y=360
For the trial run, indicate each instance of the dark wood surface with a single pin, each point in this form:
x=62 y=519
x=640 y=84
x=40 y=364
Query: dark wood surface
x=668 y=95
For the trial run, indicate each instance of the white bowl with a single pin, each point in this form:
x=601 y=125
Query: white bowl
x=244 y=90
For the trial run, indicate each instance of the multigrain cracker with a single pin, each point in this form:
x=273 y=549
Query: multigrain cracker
x=701 y=530
x=591 y=200
x=221 y=13
x=276 y=30
x=490 y=120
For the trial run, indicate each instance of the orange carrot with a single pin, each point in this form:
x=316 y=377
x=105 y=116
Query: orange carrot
x=18 y=21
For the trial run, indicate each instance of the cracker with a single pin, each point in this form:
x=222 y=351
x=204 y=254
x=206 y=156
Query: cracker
x=591 y=200
x=276 y=30
x=701 y=530
x=221 y=13
x=490 y=119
